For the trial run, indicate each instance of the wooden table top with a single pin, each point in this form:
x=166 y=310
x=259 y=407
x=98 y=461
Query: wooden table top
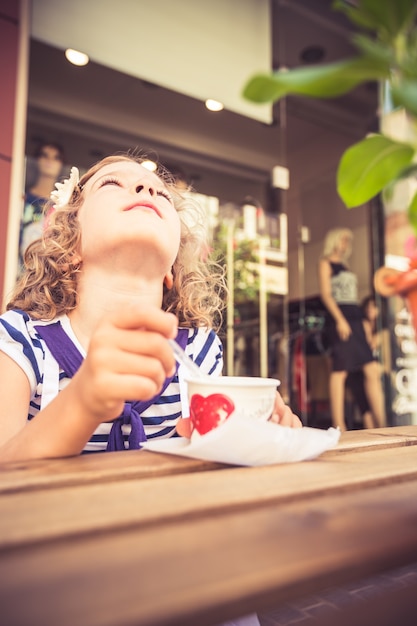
x=149 y=539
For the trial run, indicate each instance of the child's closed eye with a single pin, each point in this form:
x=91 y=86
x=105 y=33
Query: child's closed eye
x=110 y=181
x=165 y=194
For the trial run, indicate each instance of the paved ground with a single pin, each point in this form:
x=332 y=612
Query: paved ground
x=328 y=607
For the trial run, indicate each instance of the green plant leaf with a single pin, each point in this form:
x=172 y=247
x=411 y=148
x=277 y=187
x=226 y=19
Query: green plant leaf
x=320 y=81
x=390 y=16
x=412 y=213
x=368 y=166
x=406 y=12
x=356 y=15
x=407 y=172
x=374 y=49
x=405 y=94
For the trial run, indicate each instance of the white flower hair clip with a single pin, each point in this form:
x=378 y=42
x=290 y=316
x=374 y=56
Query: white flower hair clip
x=63 y=192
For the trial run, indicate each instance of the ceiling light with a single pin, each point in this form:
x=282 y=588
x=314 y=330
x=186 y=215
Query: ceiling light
x=312 y=54
x=149 y=165
x=214 y=105
x=75 y=57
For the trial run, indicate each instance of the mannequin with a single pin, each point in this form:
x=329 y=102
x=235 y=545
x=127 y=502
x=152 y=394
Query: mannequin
x=350 y=350
x=49 y=160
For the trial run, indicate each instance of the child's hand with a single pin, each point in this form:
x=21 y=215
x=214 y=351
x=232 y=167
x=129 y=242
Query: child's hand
x=128 y=358
x=283 y=415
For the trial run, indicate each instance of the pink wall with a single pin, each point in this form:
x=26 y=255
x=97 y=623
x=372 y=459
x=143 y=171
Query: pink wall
x=9 y=29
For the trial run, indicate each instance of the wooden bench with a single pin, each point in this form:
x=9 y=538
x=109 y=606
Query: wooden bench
x=157 y=540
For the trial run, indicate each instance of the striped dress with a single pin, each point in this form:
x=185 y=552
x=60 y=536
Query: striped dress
x=22 y=343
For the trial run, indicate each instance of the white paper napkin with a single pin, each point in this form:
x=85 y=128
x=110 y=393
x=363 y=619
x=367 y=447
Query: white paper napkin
x=245 y=441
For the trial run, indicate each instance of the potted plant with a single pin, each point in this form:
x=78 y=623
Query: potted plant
x=386 y=41
x=245 y=270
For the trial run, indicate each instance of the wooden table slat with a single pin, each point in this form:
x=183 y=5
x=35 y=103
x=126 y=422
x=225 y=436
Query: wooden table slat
x=205 y=571
x=358 y=441
x=115 y=466
x=46 y=514
x=143 y=539
x=95 y=468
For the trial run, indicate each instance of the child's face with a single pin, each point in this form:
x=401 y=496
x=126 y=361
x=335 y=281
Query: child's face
x=125 y=204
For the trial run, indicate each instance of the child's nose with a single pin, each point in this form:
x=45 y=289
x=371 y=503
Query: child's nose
x=146 y=188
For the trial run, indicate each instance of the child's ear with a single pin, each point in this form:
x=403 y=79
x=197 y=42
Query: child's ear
x=169 y=280
x=76 y=260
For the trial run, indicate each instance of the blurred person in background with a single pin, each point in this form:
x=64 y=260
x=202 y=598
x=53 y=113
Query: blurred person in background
x=349 y=347
x=49 y=159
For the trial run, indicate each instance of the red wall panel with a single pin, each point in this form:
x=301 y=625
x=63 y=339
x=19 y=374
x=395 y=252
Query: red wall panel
x=9 y=37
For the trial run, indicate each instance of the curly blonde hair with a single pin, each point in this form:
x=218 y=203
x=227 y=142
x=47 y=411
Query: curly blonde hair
x=48 y=284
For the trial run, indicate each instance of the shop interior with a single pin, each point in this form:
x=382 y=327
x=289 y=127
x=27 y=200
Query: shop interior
x=276 y=323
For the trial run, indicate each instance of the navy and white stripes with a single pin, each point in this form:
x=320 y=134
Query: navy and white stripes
x=20 y=341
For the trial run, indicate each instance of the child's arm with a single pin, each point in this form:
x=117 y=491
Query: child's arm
x=128 y=357
x=15 y=395
x=373 y=339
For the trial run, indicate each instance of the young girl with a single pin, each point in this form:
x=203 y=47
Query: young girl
x=356 y=380
x=84 y=359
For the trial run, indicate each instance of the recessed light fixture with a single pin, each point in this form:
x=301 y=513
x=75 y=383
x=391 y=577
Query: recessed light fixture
x=149 y=165
x=312 y=54
x=75 y=57
x=214 y=105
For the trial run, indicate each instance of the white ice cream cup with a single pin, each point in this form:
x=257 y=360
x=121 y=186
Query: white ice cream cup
x=213 y=400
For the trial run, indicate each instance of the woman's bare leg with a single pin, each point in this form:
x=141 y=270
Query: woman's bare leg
x=368 y=420
x=374 y=392
x=337 y=399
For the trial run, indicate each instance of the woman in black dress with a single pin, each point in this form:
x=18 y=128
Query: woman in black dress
x=350 y=350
